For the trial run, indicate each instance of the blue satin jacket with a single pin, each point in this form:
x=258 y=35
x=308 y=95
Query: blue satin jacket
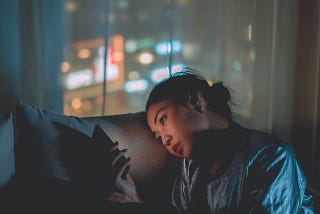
x=263 y=176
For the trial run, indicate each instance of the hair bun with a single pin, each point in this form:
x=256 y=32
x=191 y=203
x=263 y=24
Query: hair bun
x=220 y=92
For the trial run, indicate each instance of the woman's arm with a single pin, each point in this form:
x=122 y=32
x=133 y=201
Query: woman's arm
x=275 y=182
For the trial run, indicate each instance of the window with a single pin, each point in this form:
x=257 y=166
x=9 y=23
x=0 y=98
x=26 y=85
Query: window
x=215 y=37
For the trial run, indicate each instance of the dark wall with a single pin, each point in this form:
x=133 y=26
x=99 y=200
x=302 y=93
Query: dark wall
x=306 y=119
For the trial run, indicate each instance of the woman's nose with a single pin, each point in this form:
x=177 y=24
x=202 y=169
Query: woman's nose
x=166 y=140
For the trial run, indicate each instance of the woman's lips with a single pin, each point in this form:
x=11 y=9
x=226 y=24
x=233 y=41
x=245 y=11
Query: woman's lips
x=177 y=148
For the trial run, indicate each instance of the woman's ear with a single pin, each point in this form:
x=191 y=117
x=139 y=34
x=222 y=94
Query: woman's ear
x=198 y=101
x=198 y=108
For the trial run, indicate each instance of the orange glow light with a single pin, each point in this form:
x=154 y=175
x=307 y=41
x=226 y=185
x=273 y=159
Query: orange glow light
x=76 y=103
x=65 y=67
x=84 y=53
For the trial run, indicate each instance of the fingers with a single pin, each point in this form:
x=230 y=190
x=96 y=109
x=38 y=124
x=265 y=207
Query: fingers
x=114 y=146
x=119 y=163
x=123 y=170
x=117 y=155
x=119 y=198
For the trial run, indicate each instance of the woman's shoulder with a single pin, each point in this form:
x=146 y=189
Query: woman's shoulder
x=257 y=142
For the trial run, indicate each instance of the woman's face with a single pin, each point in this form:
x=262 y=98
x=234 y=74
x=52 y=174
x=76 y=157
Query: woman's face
x=175 y=125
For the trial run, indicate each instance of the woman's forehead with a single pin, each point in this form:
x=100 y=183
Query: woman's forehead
x=156 y=108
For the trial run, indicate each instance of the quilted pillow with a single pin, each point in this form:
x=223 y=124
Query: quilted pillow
x=40 y=137
x=55 y=164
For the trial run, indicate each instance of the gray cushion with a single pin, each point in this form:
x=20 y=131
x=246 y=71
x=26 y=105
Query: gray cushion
x=7 y=168
x=56 y=169
x=40 y=135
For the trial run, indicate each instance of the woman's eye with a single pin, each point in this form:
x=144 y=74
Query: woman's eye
x=162 y=119
x=159 y=139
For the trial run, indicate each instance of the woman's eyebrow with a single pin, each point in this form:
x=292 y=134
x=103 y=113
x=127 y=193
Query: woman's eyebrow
x=155 y=118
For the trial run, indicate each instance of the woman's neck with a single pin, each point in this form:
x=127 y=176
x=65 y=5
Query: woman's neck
x=217 y=122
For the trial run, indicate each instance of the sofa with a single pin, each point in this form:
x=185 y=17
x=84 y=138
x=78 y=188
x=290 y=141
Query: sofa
x=38 y=145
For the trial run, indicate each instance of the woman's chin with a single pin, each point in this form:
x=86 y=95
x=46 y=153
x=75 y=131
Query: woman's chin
x=186 y=154
x=177 y=154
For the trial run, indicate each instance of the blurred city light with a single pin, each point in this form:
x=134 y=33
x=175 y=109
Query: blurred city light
x=84 y=53
x=136 y=85
x=78 y=79
x=133 y=75
x=112 y=69
x=76 y=103
x=250 y=33
x=146 y=58
x=71 y=6
x=161 y=73
x=163 y=48
x=145 y=43
x=65 y=67
x=237 y=65
x=130 y=46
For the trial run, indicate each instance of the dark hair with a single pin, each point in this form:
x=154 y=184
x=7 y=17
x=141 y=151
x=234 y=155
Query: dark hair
x=183 y=86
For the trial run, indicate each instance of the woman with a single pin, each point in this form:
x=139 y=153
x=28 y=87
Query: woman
x=225 y=168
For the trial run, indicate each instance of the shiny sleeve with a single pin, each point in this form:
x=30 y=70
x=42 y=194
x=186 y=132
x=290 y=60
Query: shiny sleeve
x=275 y=183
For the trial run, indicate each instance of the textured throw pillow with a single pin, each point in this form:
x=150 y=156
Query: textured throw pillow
x=41 y=146
x=7 y=167
x=56 y=167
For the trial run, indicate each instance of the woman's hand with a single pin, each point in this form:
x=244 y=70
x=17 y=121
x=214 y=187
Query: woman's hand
x=128 y=192
x=126 y=186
